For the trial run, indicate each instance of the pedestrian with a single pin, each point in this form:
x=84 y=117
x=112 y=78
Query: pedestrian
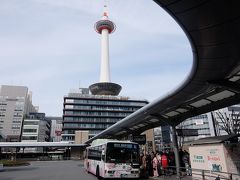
x=140 y=159
x=149 y=165
x=164 y=163
x=171 y=160
x=182 y=164
x=155 y=163
x=159 y=164
x=143 y=167
x=187 y=163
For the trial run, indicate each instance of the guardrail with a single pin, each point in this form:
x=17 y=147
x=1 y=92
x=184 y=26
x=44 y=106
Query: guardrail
x=207 y=174
x=202 y=174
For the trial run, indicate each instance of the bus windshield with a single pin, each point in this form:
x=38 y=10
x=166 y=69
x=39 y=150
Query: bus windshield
x=122 y=153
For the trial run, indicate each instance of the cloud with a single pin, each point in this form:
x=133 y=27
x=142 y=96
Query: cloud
x=152 y=86
x=127 y=13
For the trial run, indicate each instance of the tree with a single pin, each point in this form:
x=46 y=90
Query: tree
x=228 y=122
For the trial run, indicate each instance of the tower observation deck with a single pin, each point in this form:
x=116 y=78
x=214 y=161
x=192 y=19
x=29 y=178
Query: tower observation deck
x=105 y=86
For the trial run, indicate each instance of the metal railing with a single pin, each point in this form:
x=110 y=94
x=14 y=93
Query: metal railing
x=203 y=174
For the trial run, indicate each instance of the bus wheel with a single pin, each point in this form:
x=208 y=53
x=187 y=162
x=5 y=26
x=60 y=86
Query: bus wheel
x=97 y=173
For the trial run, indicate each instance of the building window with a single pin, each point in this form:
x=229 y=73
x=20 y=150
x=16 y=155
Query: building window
x=30 y=130
x=29 y=138
x=69 y=100
x=17 y=120
x=30 y=122
x=16 y=126
x=2 y=114
x=17 y=114
x=19 y=103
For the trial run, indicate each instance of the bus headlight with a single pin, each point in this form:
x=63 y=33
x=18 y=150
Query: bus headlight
x=134 y=172
x=111 y=172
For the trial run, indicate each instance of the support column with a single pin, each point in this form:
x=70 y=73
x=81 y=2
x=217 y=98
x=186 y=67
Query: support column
x=1 y=153
x=23 y=152
x=16 y=150
x=176 y=151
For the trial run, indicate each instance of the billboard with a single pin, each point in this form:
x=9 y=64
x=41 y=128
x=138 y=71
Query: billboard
x=140 y=139
x=187 y=132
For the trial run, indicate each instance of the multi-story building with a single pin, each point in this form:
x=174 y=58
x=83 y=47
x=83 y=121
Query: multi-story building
x=203 y=124
x=212 y=123
x=162 y=138
x=56 y=128
x=36 y=128
x=94 y=113
x=15 y=103
x=158 y=138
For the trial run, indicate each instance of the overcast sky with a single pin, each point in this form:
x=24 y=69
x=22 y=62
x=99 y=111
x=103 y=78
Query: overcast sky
x=50 y=46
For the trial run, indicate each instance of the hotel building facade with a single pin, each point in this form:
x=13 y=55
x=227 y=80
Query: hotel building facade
x=83 y=111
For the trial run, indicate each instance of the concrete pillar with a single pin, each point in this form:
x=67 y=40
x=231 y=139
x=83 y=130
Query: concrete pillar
x=0 y=153
x=23 y=152
x=16 y=150
x=176 y=151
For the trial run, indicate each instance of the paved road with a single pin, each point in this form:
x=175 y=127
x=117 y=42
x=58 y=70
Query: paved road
x=56 y=170
x=48 y=170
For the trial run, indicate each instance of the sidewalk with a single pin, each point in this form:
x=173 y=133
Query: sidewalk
x=172 y=177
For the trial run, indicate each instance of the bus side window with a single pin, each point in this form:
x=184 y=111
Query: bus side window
x=85 y=154
x=103 y=157
x=103 y=154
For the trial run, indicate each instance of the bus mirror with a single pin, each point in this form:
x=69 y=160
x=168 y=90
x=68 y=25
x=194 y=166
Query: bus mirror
x=103 y=157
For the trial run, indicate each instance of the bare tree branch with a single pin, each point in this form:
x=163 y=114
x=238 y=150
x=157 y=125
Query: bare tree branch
x=229 y=123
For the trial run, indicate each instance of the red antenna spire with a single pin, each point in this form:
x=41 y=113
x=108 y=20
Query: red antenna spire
x=105 y=23
x=105 y=13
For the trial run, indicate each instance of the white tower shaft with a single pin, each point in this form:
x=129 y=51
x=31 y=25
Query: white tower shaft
x=105 y=86
x=105 y=67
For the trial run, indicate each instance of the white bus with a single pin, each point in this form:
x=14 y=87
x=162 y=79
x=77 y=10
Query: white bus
x=113 y=159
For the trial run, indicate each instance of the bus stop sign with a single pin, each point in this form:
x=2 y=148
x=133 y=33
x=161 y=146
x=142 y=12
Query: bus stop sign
x=140 y=139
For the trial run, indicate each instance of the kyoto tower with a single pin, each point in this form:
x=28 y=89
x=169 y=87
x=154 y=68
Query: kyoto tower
x=105 y=86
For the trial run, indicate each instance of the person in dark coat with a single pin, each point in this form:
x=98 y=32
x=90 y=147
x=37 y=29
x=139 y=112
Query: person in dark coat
x=182 y=164
x=149 y=165
x=171 y=161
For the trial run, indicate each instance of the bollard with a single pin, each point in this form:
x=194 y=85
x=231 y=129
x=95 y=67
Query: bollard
x=1 y=167
x=203 y=176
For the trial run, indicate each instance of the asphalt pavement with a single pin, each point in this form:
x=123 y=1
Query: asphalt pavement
x=57 y=170
x=47 y=170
